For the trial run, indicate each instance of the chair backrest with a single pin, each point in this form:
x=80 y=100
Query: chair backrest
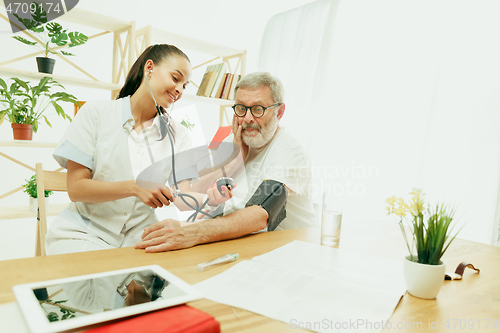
x=222 y=133
x=46 y=181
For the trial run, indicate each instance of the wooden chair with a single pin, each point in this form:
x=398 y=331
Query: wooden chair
x=46 y=181
x=222 y=133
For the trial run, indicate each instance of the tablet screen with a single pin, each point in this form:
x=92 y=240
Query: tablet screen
x=81 y=298
x=58 y=305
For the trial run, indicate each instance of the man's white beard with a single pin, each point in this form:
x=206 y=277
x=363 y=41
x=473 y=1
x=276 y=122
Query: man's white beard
x=264 y=135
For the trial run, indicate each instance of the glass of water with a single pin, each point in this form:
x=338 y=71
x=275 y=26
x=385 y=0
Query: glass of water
x=331 y=220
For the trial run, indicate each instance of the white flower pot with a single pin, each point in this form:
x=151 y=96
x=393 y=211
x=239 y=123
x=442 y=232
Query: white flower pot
x=34 y=204
x=423 y=281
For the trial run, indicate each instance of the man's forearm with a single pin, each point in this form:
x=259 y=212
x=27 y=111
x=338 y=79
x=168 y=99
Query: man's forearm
x=234 y=225
x=168 y=234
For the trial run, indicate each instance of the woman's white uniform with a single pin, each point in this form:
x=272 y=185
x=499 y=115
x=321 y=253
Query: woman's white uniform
x=101 y=137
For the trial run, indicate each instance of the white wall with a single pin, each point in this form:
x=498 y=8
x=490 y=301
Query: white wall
x=238 y=24
x=234 y=23
x=408 y=96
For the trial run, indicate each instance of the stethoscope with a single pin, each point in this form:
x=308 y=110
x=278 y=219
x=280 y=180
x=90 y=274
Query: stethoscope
x=166 y=120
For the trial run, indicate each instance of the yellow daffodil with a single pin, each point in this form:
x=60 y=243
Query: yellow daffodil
x=391 y=201
x=420 y=205
x=433 y=225
x=390 y=204
x=416 y=206
x=417 y=193
x=414 y=209
x=400 y=211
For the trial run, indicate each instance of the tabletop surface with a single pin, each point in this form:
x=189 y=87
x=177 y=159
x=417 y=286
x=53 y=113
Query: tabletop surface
x=464 y=305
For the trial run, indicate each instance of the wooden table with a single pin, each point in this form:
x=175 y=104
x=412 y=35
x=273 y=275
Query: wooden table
x=470 y=301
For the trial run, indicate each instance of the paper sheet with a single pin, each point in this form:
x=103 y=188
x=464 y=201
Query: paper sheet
x=314 y=287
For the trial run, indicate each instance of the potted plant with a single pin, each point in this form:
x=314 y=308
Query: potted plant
x=24 y=105
x=431 y=235
x=30 y=188
x=48 y=38
x=186 y=123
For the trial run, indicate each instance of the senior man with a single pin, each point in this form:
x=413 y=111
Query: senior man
x=273 y=160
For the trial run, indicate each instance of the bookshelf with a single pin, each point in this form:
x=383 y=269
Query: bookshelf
x=125 y=51
x=123 y=57
x=207 y=53
x=61 y=79
x=127 y=44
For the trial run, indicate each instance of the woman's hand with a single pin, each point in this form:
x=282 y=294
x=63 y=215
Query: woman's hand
x=215 y=198
x=154 y=197
x=83 y=189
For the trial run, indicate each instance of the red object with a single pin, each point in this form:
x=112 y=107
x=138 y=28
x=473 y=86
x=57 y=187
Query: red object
x=219 y=136
x=22 y=131
x=179 y=319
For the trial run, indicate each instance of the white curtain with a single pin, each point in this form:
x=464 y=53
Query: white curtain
x=388 y=95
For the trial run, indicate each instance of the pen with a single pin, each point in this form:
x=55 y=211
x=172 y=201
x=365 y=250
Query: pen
x=222 y=260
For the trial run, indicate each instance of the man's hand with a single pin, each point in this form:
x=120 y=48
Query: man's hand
x=164 y=236
x=169 y=235
x=237 y=137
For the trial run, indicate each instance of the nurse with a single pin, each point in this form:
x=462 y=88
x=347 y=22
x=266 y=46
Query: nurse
x=107 y=146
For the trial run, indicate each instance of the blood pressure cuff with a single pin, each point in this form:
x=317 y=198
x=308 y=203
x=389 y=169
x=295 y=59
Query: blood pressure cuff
x=271 y=195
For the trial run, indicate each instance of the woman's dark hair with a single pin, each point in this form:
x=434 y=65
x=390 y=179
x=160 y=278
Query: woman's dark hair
x=157 y=53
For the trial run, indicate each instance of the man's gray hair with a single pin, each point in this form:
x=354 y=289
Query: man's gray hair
x=262 y=79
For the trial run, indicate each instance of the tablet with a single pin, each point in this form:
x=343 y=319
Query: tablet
x=65 y=304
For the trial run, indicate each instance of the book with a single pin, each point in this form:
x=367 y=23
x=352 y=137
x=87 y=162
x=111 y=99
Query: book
x=207 y=83
x=222 y=68
x=179 y=319
x=227 y=87
x=221 y=86
x=205 y=87
x=236 y=79
x=203 y=84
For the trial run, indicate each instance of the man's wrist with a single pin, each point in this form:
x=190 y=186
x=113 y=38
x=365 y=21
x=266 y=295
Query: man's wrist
x=196 y=232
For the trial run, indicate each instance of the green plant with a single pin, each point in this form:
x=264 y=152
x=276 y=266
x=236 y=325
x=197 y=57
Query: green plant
x=186 y=123
x=431 y=228
x=30 y=188
x=47 y=39
x=66 y=312
x=25 y=104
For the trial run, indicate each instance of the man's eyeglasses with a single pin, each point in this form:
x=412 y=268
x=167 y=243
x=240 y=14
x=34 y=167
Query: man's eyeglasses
x=257 y=110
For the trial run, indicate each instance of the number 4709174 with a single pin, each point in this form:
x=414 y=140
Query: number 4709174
x=470 y=324
x=24 y=7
